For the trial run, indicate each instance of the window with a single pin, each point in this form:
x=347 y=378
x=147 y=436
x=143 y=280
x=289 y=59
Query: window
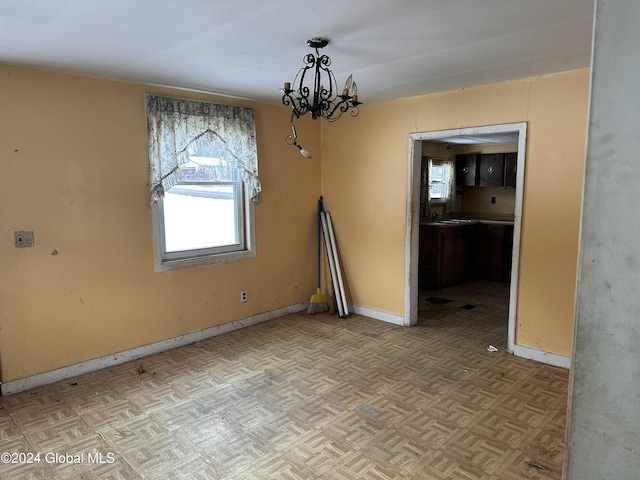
x=439 y=181
x=201 y=216
x=203 y=170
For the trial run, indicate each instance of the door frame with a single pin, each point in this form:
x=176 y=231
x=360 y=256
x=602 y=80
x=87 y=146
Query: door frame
x=412 y=238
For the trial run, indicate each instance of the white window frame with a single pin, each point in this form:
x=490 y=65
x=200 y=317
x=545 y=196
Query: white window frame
x=168 y=261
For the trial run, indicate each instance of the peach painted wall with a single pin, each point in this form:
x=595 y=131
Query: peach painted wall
x=364 y=178
x=74 y=170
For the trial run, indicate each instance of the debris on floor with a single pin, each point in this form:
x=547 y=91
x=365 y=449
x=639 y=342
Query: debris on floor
x=491 y=348
x=367 y=409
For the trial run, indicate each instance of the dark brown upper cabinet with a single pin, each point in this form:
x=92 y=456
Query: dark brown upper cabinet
x=510 y=163
x=486 y=169
x=466 y=169
x=491 y=170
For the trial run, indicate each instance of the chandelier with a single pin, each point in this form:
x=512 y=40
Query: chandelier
x=315 y=92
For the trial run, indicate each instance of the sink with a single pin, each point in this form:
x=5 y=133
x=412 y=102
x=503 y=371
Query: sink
x=450 y=221
x=455 y=220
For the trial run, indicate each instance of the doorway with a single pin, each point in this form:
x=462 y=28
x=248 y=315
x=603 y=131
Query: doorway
x=518 y=130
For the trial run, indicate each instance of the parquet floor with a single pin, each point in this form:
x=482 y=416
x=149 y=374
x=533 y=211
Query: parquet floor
x=308 y=397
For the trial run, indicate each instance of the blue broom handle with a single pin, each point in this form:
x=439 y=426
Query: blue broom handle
x=320 y=209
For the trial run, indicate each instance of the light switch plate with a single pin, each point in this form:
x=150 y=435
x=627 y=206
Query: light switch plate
x=23 y=239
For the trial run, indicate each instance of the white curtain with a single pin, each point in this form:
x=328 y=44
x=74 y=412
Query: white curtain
x=451 y=188
x=178 y=129
x=425 y=190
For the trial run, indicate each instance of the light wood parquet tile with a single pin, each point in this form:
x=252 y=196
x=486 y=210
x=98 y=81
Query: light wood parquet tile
x=483 y=452
x=8 y=427
x=13 y=469
x=198 y=468
x=310 y=396
x=320 y=452
x=280 y=467
x=68 y=432
x=282 y=432
x=398 y=452
x=523 y=465
x=363 y=464
x=428 y=430
x=509 y=431
x=160 y=453
x=355 y=427
x=119 y=410
x=448 y=466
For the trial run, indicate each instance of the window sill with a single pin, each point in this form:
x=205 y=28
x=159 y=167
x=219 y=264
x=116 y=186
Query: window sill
x=194 y=262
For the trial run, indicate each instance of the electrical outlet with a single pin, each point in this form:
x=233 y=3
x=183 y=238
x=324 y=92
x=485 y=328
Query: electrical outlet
x=23 y=239
x=243 y=296
x=493 y=199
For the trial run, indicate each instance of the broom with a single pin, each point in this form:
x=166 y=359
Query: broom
x=319 y=302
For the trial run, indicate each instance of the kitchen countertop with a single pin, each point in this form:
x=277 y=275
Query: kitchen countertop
x=469 y=220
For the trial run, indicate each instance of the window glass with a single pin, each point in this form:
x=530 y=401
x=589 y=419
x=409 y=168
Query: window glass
x=200 y=216
x=439 y=177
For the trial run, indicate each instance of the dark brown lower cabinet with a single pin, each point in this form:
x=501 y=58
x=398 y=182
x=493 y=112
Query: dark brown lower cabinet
x=494 y=243
x=445 y=255
x=429 y=262
x=507 y=253
x=454 y=254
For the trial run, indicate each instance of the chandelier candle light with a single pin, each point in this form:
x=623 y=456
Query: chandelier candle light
x=323 y=100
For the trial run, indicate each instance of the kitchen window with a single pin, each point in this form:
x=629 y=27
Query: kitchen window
x=440 y=180
x=203 y=177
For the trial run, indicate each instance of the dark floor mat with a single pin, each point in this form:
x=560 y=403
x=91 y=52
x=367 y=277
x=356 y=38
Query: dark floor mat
x=438 y=300
x=468 y=307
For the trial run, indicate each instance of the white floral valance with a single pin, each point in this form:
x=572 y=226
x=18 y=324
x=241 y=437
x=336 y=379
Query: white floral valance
x=178 y=129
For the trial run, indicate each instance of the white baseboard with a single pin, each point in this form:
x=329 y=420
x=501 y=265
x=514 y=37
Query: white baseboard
x=45 y=378
x=542 y=356
x=377 y=315
x=40 y=379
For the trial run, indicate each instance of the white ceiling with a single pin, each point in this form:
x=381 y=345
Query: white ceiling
x=248 y=48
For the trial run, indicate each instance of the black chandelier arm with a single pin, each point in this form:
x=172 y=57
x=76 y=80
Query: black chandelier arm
x=299 y=78
x=299 y=105
x=310 y=59
x=322 y=66
x=324 y=60
x=344 y=105
x=292 y=139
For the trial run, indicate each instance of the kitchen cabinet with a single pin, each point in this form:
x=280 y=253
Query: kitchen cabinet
x=429 y=257
x=507 y=253
x=445 y=255
x=455 y=254
x=510 y=164
x=494 y=245
x=451 y=254
x=486 y=169
x=466 y=169
x=490 y=170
